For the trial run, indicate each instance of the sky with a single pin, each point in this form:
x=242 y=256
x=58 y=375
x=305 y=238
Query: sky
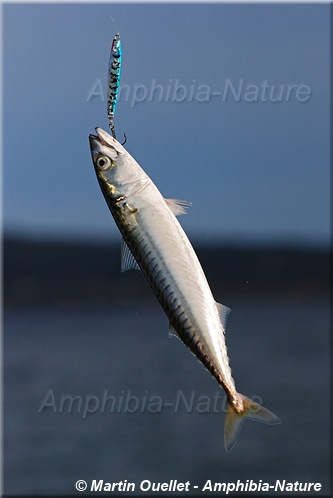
x=223 y=105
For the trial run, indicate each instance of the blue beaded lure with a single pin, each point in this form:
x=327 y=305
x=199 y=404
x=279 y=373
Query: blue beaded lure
x=114 y=80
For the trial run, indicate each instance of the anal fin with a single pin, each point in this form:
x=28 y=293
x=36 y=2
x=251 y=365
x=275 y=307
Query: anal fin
x=173 y=332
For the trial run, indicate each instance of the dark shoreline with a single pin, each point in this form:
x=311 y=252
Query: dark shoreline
x=42 y=272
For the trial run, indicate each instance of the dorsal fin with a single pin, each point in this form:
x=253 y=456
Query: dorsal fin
x=224 y=312
x=127 y=259
x=177 y=206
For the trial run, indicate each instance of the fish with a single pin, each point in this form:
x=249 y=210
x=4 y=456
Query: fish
x=114 y=72
x=154 y=241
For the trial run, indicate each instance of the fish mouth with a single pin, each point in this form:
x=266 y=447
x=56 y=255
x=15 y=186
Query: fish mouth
x=93 y=140
x=104 y=138
x=100 y=140
x=94 y=146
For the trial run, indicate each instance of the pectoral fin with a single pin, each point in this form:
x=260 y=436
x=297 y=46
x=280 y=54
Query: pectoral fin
x=128 y=261
x=130 y=213
x=177 y=206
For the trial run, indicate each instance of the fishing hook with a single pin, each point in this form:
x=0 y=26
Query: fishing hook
x=113 y=130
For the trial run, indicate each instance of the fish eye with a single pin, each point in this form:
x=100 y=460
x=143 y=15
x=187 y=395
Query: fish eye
x=104 y=162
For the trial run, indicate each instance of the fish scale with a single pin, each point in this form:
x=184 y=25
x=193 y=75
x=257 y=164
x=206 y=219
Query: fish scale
x=167 y=300
x=173 y=306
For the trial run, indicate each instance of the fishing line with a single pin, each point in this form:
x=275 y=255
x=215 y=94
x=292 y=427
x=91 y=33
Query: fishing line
x=115 y=24
x=121 y=22
x=122 y=19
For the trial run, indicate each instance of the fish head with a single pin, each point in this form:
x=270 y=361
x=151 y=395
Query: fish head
x=117 y=172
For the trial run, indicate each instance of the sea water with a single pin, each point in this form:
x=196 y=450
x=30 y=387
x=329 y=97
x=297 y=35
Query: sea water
x=102 y=392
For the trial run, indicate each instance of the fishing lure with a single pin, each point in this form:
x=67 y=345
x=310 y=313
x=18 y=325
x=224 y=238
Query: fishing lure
x=114 y=80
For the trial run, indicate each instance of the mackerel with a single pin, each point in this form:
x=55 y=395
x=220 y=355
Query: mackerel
x=154 y=241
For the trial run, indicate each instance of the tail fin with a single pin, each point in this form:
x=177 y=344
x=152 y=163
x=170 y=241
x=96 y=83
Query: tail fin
x=234 y=419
